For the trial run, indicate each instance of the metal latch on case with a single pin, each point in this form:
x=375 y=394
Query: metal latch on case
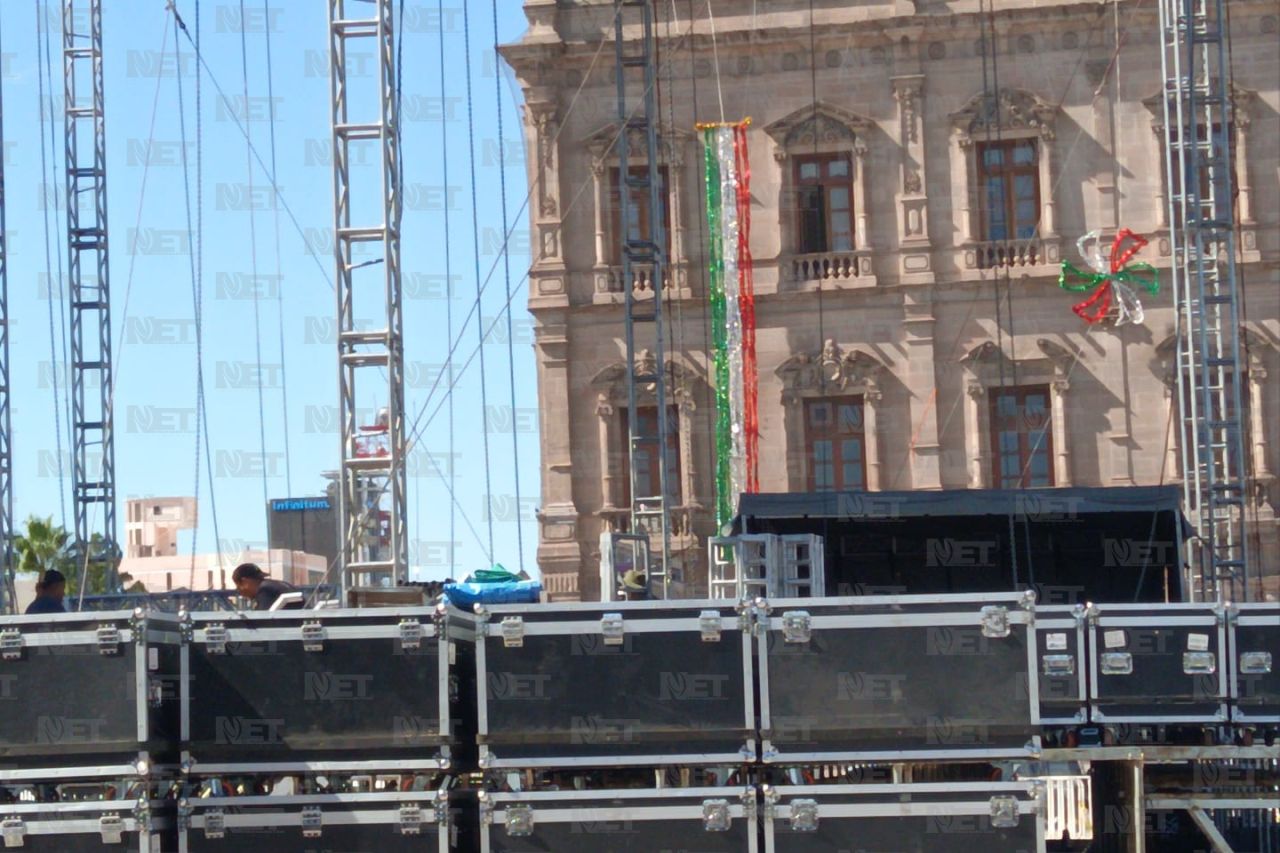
x=1117 y=663
x=709 y=626
x=512 y=632
x=796 y=627
x=804 y=815
x=519 y=821
x=312 y=636
x=611 y=629
x=410 y=635
x=111 y=828
x=10 y=644
x=108 y=640
x=1004 y=812
x=715 y=815
x=312 y=821
x=1199 y=663
x=995 y=621
x=1058 y=666
x=1255 y=663
x=215 y=638
x=410 y=819
x=13 y=831
x=214 y=825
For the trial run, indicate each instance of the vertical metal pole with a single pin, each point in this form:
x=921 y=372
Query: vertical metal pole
x=646 y=362
x=373 y=484
x=93 y=479
x=6 y=423
x=1198 y=125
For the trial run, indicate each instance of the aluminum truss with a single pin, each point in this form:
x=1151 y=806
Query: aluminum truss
x=636 y=76
x=1198 y=124
x=6 y=424
x=373 y=483
x=93 y=447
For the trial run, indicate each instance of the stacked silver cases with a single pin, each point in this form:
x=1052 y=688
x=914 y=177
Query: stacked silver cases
x=90 y=723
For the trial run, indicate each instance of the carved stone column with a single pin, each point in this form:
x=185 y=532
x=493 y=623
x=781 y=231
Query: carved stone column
x=559 y=551
x=871 y=433
x=601 y=192
x=975 y=440
x=913 y=201
x=1242 y=103
x=546 y=175
x=864 y=194
x=607 y=415
x=686 y=410
x=1062 y=451
x=962 y=164
x=1257 y=423
x=921 y=380
x=678 y=262
x=1096 y=71
x=1048 y=215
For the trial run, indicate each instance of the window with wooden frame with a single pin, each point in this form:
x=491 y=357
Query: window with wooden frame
x=647 y=456
x=1021 y=437
x=1009 y=183
x=824 y=203
x=835 y=444
x=638 y=226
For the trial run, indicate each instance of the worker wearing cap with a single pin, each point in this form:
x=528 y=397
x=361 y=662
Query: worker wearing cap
x=50 y=590
x=252 y=583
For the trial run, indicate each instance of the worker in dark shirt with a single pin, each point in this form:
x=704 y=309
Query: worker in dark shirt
x=252 y=583
x=50 y=589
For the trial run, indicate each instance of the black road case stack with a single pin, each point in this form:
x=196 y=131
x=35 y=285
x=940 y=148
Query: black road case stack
x=620 y=684
x=1254 y=679
x=898 y=678
x=956 y=817
x=325 y=729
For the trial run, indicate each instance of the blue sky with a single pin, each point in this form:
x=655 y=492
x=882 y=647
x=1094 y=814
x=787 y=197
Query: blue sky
x=155 y=332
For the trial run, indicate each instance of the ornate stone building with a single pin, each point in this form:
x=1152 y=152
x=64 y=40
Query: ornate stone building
x=907 y=243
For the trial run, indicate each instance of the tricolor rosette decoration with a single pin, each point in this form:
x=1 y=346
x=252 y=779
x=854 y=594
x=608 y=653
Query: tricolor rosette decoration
x=732 y=304
x=1114 y=281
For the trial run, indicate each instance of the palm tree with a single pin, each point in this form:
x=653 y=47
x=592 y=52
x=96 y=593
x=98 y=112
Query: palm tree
x=46 y=546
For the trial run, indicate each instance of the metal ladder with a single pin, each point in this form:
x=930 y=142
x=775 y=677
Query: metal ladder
x=751 y=565
x=650 y=514
x=1198 y=121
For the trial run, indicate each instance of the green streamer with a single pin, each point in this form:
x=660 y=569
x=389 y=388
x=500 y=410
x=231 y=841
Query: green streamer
x=719 y=332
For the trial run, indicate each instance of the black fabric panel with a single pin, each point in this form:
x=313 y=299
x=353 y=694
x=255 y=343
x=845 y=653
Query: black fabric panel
x=933 y=834
x=649 y=836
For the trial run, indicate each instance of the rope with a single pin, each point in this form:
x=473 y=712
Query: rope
x=715 y=50
x=448 y=284
x=42 y=46
x=277 y=192
x=279 y=279
x=253 y=268
x=475 y=237
x=506 y=265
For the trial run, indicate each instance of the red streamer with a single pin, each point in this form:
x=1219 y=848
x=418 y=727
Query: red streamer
x=747 y=310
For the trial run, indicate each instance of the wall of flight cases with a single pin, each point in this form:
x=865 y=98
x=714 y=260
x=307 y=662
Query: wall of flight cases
x=148 y=732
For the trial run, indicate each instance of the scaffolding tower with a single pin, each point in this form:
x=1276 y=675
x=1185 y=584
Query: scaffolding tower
x=6 y=424
x=372 y=492
x=1198 y=125
x=93 y=447
x=644 y=245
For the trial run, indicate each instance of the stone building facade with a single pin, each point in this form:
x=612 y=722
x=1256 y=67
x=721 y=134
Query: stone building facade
x=906 y=244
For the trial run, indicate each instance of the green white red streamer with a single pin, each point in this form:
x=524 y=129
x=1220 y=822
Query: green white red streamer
x=731 y=299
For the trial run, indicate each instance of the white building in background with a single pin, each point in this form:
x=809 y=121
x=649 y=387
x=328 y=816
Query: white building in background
x=152 y=555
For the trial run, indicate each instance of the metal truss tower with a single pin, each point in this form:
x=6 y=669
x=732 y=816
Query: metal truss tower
x=1198 y=126
x=644 y=245
x=93 y=447
x=6 y=423
x=372 y=492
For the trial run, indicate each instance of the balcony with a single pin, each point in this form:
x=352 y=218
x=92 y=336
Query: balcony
x=840 y=269
x=609 y=283
x=1030 y=255
x=682 y=521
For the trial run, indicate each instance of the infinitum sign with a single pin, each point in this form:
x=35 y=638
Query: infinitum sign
x=304 y=524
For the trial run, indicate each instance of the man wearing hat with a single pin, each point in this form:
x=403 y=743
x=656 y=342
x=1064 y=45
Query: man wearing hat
x=50 y=589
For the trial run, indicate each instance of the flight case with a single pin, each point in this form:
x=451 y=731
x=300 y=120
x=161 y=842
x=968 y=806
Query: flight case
x=897 y=678
x=125 y=826
x=1061 y=658
x=696 y=820
x=1254 y=678
x=955 y=817
x=617 y=683
x=1157 y=663
x=386 y=822
x=376 y=688
x=84 y=689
